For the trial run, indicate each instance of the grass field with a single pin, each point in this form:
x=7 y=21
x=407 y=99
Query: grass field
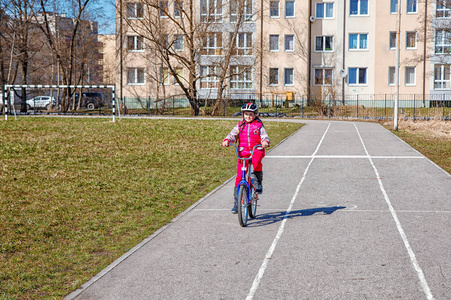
x=78 y=193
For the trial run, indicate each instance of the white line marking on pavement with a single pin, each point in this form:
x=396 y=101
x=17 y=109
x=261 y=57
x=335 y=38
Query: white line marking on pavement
x=338 y=211
x=413 y=258
x=342 y=156
x=270 y=252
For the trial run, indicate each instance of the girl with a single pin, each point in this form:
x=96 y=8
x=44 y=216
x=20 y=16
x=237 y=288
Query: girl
x=248 y=133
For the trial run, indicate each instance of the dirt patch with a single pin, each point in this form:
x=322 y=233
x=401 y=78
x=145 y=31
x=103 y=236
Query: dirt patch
x=438 y=129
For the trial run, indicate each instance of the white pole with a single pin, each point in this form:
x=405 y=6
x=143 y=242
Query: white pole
x=398 y=50
x=5 y=103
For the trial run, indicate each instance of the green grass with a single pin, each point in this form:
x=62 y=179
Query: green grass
x=77 y=193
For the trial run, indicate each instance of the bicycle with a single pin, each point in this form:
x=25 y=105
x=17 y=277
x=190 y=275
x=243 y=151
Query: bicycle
x=246 y=196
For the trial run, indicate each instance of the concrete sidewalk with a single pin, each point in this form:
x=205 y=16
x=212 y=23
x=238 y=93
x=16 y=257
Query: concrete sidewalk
x=349 y=211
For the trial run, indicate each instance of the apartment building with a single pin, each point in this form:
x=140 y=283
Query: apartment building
x=322 y=48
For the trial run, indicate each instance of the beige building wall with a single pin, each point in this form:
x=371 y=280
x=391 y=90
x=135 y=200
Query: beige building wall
x=361 y=58
x=109 y=57
x=409 y=57
x=326 y=59
x=282 y=58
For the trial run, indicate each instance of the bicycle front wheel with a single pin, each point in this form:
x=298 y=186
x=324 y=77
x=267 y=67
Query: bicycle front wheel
x=242 y=205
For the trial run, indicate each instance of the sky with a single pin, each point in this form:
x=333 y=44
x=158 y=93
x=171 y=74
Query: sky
x=110 y=21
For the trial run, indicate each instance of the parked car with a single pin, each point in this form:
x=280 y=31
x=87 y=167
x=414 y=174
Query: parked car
x=90 y=100
x=46 y=102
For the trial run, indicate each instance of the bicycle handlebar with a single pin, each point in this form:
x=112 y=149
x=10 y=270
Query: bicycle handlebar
x=246 y=158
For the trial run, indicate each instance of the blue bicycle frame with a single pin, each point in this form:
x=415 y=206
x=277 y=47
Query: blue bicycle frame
x=244 y=169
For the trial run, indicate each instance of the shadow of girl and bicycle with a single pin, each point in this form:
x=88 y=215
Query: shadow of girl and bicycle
x=264 y=219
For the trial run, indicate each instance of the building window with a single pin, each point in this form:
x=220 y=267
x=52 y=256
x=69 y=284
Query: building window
x=243 y=44
x=410 y=76
x=213 y=44
x=412 y=6
x=391 y=75
x=135 y=76
x=323 y=76
x=359 y=8
x=442 y=78
x=178 y=75
x=358 y=41
x=274 y=42
x=394 y=6
x=178 y=42
x=443 y=9
x=325 y=10
x=289 y=76
x=237 y=8
x=135 y=11
x=274 y=7
x=210 y=10
x=163 y=8
x=411 y=40
x=241 y=77
x=443 y=41
x=208 y=79
x=164 y=76
x=289 y=42
x=274 y=76
x=324 y=43
x=357 y=76
x=289 y=9
x=135 y=43
x=178 y=8
x=392 y=41
x=248 y=10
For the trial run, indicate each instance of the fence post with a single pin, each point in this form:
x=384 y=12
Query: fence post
x=357 y=106
x=173 y=106
x=385 y=104
x=302 y=107
x=414 y=98
x=329 y=108
x=148 y=106
x=443 y=106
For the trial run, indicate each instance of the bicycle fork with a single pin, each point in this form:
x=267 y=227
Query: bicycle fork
x=243 y=182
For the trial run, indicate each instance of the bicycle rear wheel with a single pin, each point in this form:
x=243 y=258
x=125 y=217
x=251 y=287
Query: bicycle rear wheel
x=253 y=203
x=242 y=205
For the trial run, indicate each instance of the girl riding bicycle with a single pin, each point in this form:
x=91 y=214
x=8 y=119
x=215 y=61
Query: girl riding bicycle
x=248 y=133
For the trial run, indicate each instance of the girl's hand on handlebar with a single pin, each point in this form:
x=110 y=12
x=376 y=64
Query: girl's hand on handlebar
x=225 y=143
x=265 y=144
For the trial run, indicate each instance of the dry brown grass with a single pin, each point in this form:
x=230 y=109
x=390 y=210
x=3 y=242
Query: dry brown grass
x=432 y=138
x=435 y=128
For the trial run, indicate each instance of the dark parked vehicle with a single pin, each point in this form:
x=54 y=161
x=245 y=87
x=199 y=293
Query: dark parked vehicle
x=90 y=100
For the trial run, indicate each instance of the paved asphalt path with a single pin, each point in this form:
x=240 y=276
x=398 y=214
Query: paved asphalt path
x=349 y=211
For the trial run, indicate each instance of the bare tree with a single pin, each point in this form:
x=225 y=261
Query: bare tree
x=23 y=46
x=5 y=49
x=179 y=36
x=69 y=40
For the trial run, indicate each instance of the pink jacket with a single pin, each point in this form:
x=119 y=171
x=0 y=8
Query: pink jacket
x=250 y=134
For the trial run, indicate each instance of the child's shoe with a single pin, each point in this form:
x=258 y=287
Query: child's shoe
x=258 y=175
